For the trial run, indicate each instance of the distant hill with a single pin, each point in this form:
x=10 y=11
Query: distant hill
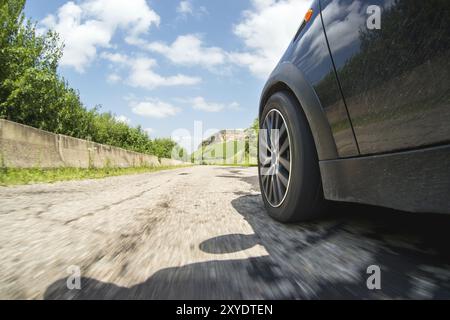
x=228 y=147
x=224 y=136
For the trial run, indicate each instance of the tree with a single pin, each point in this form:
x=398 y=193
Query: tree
x=32 y=92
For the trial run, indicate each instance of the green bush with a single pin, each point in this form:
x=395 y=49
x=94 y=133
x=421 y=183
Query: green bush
x=32 y=92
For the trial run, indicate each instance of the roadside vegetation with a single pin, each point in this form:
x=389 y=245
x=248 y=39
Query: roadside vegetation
x=33 y=93
x=12 y=177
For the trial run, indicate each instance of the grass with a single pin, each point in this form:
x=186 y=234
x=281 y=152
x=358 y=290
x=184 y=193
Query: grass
x=15 y=176
x=224 y=154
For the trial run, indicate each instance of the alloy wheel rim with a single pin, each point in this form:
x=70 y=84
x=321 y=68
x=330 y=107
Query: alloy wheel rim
x=275 y=158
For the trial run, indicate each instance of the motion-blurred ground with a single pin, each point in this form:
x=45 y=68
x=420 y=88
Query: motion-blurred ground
x=202 y=232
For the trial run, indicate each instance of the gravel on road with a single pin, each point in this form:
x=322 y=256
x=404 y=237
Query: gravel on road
x=202 y=233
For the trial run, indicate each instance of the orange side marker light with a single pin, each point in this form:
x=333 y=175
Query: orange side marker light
x=308 y=15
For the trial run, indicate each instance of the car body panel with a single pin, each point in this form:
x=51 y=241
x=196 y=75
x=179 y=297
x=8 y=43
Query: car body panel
x=395 y=80
x=414 y=181
x=377 y=102
x=309 y=54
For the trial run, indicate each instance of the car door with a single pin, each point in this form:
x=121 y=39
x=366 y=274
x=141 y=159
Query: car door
x=392 y=59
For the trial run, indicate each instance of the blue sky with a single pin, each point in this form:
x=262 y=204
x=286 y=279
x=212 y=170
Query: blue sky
x=164 y=64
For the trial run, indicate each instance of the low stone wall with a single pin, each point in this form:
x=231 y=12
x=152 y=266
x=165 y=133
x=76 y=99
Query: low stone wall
x=27 y=147
x=171 y=162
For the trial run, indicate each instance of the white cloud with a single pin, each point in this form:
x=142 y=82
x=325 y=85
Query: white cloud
x=91 y=24
x=123 y=119
x=115 y=57
x=266 y=30
x=189 y=50
x=134 y=16
x=235 y=106
x=185 y=7
x=154 y=108
x=142 y=75
x=113 y=78
x=346 y=21
x=200 y=103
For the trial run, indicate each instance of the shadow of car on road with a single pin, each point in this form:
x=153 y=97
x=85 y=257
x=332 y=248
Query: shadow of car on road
x=325 y=259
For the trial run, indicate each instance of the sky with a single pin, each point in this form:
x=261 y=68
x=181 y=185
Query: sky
x=173 y=67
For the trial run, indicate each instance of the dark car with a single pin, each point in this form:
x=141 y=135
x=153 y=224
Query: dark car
x=358 y=110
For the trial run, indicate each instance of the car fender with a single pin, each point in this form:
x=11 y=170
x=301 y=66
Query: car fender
x=288 y=76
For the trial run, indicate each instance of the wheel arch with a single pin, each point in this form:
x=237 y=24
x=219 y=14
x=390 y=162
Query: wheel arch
x=287 y=77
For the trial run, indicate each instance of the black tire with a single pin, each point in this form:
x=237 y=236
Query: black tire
x=303 y=197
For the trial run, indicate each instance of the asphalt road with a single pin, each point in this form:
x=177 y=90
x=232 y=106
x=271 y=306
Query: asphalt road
x=202 y=232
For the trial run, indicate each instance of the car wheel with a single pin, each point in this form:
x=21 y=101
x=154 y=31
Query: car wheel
x=289 y=173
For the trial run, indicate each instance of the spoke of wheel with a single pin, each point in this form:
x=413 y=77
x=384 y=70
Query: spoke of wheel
x=282 y=129
x=266 y=161
x=270 y=187
x=264 y=158
x=280 y=189
x=277 y=189
x=267 y=182
x=266 y=123
x=277 y=118
x=266 y=133
x=285 y=163
x=283 y=179
x=272 y=120
x=275 y=137
x=284 y=146
x=263 y=140
x=265 y=136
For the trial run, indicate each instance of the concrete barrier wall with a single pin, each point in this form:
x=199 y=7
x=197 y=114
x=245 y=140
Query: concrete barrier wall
x=171 y=162
x=26 y=147
x=23 y=146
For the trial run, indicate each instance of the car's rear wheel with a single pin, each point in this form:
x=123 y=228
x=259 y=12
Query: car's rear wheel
x=289 y=173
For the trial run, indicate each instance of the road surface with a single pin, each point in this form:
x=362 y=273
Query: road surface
x=202 y=233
